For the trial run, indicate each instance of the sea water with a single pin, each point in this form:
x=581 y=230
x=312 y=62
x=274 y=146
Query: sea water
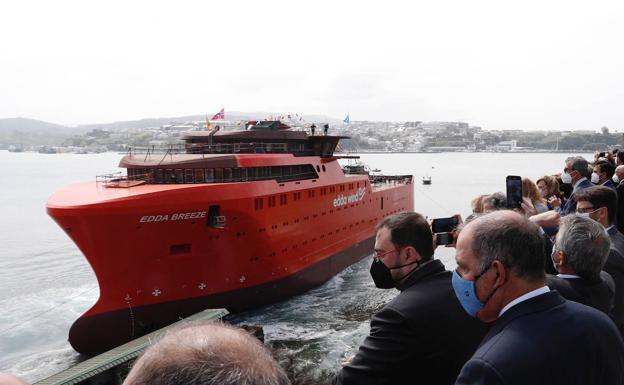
x=45 y=282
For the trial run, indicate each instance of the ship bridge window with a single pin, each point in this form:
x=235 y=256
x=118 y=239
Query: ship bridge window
x=159 y=175
x=199 y=175
x=209 y=175
x=188 y=175
x=236 y=174
x=179 y=175
x=218 y=175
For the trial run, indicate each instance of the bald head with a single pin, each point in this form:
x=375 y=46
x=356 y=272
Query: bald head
x=9 y=379
x=510 y=238
x=619 y=171
x=206 y=354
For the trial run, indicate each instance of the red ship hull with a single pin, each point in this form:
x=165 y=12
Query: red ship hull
x=157 y=259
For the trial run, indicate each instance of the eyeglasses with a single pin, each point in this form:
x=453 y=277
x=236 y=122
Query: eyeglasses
x=585 y=210
x=382 y=254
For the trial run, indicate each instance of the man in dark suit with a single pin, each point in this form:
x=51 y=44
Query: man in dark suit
x=536 y=336
x=423 y=333
x=600 y=204
x=575 y=172
x=603 y=171
x=619 y=177
x=581 y=250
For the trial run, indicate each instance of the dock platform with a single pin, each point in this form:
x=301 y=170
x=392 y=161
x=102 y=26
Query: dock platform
x=113 y=358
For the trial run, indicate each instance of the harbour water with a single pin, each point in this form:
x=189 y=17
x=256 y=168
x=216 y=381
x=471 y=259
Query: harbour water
x=45 y=282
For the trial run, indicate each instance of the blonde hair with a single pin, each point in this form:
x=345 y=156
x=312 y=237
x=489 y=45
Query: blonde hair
x=477 y=204
x=530 y=190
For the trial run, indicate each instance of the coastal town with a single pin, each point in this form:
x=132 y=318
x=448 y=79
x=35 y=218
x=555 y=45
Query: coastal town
x=365 y=136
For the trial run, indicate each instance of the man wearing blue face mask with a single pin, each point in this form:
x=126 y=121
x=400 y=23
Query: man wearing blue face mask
x=536 y=336
x=423 y=335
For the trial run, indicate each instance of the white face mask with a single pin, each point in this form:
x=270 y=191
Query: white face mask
x=584 y=215
x=566 y=178
x=595 y=178
x=552 y=257
x=615 y=179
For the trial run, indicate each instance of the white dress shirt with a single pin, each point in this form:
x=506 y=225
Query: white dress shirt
x=524 y=297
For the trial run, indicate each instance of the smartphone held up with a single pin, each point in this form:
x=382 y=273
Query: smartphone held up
x=514 y=191
x=444 y=229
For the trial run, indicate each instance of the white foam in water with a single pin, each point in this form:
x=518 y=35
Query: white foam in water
x=34 y=327
x=38 y=366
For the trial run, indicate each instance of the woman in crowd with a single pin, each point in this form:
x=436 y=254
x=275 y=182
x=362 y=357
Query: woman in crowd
x=530 y=190
x=477 y=204
x=548 y=187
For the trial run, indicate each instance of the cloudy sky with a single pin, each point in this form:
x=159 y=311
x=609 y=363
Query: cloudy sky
x=499 y=64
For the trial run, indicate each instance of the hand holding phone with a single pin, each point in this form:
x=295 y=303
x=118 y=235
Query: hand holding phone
x=445 y=239
x=445 y=225
x=514 y=191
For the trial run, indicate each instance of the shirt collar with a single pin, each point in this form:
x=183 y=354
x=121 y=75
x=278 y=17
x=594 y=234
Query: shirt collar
x=567 y=276
x=579 y=181
x=425 y=269
x=524 y=297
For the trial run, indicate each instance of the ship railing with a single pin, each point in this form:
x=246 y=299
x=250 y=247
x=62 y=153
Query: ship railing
x=220 y=148
x=390 y=179
x=117 y=179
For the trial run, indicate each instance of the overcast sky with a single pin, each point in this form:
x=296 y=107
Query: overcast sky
x=499 y=64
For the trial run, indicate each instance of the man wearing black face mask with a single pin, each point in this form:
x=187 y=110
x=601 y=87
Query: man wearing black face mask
x=423 y=335
x=537 y=337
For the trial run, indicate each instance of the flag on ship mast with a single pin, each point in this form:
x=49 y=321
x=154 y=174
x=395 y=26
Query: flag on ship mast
x=219 y=115
x=346 y=120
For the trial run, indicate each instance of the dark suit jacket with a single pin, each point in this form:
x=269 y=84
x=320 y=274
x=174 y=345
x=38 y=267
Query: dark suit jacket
x=615 y=268
x=619 y=217
x=570 y=206
x=551 y=341
x=423 y=334
x=598 y=294
x=617 y=239
x=609 y=183
x=548 y=263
